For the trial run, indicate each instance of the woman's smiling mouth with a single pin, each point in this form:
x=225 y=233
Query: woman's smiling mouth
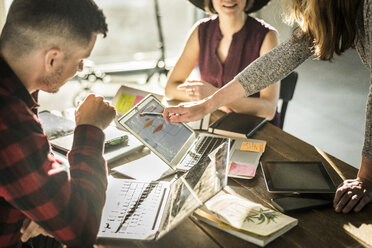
x=230 y=6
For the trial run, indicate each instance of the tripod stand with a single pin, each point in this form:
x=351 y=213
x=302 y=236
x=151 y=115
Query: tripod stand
x=160 y=66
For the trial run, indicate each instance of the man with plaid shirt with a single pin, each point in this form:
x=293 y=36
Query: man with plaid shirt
x=42 y=45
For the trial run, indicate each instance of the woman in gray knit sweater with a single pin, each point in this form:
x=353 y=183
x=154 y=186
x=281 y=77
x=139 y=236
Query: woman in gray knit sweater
x=325 y=28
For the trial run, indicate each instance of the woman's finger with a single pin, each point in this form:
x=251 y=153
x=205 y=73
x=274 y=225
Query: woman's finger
x=343 y=201
x=339 y=193
x=361 y=204
x=355 y=198
x=172 y=111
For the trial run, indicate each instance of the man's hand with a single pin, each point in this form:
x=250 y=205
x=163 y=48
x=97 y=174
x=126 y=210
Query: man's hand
x=197 y=90
x=353 y=194
x=95 y=111
x=30 y=229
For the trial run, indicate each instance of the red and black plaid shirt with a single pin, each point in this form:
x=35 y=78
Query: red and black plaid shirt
x=66 y=202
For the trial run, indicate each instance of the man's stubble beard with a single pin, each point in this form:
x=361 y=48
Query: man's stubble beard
x=52 y=82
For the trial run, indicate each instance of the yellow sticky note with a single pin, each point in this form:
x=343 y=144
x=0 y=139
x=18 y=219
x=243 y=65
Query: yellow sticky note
x=125 y=103
x=253 y=146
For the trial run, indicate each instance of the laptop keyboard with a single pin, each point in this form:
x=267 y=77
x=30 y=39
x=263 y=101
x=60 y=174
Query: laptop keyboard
x=136 y=210
x=201 y=149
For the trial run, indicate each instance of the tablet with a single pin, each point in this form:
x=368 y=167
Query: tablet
x=297 y=177
x=295 y=204
x=146 y=122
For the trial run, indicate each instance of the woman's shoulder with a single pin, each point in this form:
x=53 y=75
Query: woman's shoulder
x=260 y=24
x=208 y=26
x=210 y=20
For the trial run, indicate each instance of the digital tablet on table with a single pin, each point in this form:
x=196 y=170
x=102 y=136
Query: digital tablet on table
x=297 y=177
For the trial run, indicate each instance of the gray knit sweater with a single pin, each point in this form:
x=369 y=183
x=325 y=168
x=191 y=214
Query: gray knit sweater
x=278 y=63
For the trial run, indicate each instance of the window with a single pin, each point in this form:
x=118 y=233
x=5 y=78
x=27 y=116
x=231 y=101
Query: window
x=133 y=33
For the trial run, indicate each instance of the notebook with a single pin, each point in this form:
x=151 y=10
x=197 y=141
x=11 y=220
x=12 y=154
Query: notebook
x=243 y=218
x=143 y=210
x=55 y=126
x=147 y=168
x=179 y=146
x=237 y=125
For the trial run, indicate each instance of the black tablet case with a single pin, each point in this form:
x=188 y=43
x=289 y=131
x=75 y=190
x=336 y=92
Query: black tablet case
x=234 y=124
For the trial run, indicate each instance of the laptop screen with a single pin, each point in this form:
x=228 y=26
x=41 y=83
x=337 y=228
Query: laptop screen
x=167 y=139
x=195 y=187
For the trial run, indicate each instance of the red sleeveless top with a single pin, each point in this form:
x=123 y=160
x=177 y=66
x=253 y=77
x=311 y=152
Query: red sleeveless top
x=244 y=49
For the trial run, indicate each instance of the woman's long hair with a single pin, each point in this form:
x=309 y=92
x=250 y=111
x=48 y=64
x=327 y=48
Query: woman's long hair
x=328 y=26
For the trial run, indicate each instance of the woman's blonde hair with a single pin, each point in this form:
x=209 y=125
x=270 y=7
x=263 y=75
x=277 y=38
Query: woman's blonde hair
x=328 y=26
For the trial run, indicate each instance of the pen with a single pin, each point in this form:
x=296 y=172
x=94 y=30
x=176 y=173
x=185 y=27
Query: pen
x=151 y=113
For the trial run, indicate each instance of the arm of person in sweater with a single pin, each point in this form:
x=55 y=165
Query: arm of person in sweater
x=355 y=194
x=265 y=105
x=263 y=72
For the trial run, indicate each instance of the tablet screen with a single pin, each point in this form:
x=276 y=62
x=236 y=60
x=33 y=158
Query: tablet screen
x=301 y=177
x=167 y=139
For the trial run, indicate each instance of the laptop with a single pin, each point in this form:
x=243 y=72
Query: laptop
x=137 y=210
x=179 y=146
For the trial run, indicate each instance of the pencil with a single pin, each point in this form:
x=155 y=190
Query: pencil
x=151 y=113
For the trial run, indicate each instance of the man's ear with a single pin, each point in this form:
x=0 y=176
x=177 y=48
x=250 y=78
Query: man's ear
x=52 y=59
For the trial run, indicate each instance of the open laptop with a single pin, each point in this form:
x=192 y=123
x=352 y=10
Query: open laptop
x=179 y=146
x=148 y=210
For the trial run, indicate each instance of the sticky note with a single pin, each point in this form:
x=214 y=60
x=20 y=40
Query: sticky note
x=253 y=146
x=126 y=102
x=242 y=170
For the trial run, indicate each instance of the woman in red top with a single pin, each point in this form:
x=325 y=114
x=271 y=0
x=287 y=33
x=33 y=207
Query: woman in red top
x=221 y=46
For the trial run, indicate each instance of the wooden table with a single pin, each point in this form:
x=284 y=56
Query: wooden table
x=316 y=228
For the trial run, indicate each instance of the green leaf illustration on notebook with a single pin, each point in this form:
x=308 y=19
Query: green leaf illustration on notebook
x=246 y=215
x=261 y=215
x=244 y=218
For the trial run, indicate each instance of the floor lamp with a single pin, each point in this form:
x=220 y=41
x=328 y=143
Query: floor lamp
x=160 y=66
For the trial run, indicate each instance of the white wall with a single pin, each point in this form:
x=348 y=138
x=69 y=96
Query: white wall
x=273 y=15
x=4 y=6
x=2 y=13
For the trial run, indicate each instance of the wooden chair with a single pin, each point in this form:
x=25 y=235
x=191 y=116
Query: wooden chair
x=287 y=88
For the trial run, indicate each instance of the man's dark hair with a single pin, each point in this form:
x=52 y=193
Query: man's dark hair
x=35 y=23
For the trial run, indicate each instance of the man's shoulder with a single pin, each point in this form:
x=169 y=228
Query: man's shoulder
x=8 y=100
x=13 y=108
